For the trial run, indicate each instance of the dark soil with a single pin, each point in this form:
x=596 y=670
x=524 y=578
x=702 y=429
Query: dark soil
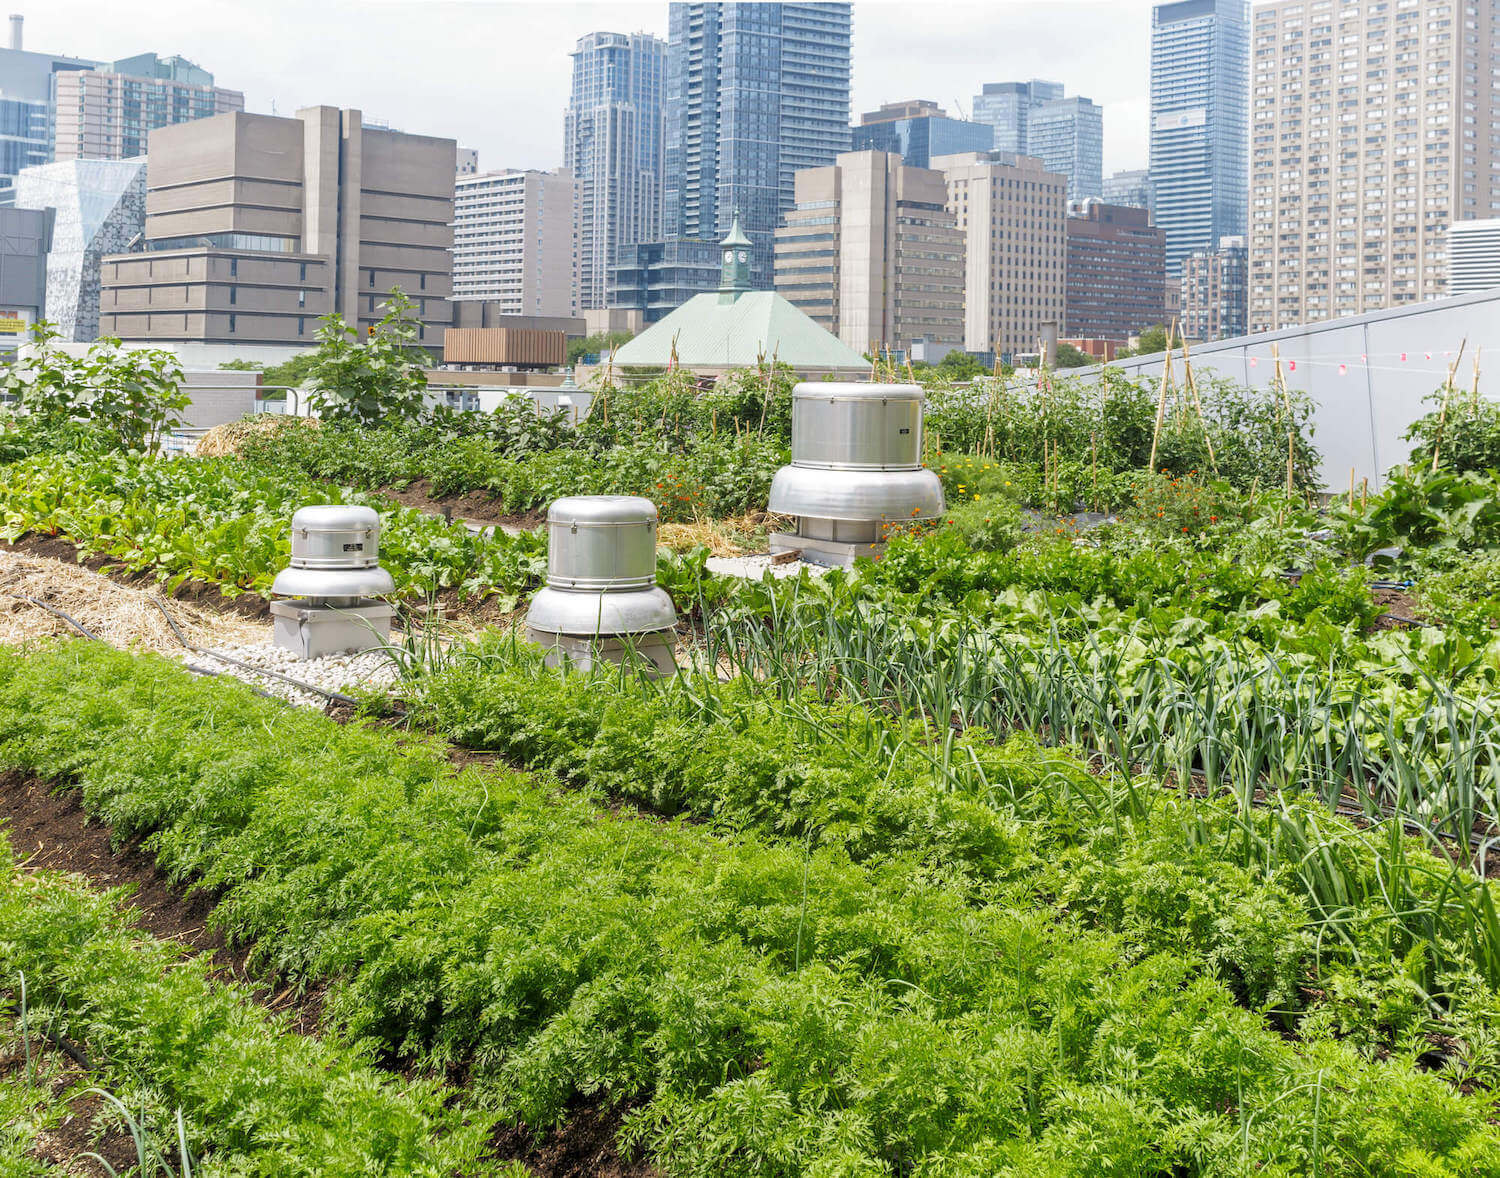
x=61 y=1145
x=1401 y=610
x=478 y=507
x=583 y=1147
x=202 y=594
x=49 y=830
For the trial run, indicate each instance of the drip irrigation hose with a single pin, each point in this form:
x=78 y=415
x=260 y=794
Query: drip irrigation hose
x=89 y=634
x=336 y=696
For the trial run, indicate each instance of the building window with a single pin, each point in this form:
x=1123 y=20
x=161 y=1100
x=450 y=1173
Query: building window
x=231 y=323
x=421 y=282
x=301 y=298
x=234 y=295
x=301 y=325
x=372 y=278
x=302 y=272
x=234 y=267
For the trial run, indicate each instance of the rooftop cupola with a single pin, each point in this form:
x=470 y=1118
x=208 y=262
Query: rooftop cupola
x=734 y=276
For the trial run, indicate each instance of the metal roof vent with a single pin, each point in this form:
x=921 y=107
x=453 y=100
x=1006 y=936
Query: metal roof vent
x=601 y=600
x=856 y=470
x=333 y=584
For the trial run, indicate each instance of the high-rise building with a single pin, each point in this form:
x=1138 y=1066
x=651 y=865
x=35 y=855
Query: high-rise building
x=1011 y=211
x=1131 y=189
x=755 y=94
x=917 y=131
x=1035 y=118
x=1007 y=107
x=1473 y=256
x=99 y=208
x=513 y=241
x=1200 y=81
x=654 y=278
x=1215 y=290
x=107 y=113
x=1374 y=131
x=1117 y=271
x=25 y=238
x=256 y=225
x=612 y=144
x=872 y=254
x=468 y=161
x=27 y=101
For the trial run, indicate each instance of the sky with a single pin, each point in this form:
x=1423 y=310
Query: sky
x=495 y=76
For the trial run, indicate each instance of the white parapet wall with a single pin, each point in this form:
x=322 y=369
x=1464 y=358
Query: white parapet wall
x=1368 y=375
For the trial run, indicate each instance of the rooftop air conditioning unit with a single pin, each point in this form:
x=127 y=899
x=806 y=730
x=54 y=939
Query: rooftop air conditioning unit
x=601 y=601
x=856 y=471
x=333 y=585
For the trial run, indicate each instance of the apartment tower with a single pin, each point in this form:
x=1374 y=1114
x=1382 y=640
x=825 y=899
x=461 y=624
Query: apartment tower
x=1116 y=271
x=107 y=113
x=872 y=254
x=1374 y=131
x=513 y=241
x=755 y=94
x=612 y=144
x=1036 y=118
x=1200 y=81
x=1011 y=212
x=256 y=225
x=1215 y=290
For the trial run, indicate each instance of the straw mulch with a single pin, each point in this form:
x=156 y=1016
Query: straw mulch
x=224 y=440
x=119 y=614
x=743 y=536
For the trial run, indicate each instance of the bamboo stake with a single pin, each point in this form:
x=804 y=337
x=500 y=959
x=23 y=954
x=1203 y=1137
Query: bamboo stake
x=1437 y=442
x=1290 y=435
x=1351 y=490
x=1161 y=399
x=1094 y=449
x=1474 y=403
x=1192 y=384
x=1364 y=493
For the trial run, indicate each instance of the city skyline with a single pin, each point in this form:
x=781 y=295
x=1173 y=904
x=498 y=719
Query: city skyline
x=451 y=86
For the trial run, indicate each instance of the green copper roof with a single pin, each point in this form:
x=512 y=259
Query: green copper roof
x=711 y=333
x=736 y=234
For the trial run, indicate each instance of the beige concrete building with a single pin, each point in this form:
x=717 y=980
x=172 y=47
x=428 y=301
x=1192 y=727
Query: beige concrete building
x=1012 y=213
x=871 y=253
x=108 y=113
x=1373 y=129
x=513 y=241
x=256 y=225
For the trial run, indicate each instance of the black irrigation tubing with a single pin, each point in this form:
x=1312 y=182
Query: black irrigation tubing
x=336 y=696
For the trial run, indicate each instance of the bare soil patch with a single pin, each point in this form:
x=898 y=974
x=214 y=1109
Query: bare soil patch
x=583 y=1147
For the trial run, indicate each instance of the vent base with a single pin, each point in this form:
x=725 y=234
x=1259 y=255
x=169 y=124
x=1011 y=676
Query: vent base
x=652 y=653
x=830 y=554
x=315 y=629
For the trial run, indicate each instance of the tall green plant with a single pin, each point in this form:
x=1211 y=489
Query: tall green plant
x=369 y=381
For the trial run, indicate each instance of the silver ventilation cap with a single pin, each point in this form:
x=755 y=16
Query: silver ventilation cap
x=295 y=582
x=845 y=426
x=885 y=496
x=335 y=537
x=601 y=542
x=586 y=614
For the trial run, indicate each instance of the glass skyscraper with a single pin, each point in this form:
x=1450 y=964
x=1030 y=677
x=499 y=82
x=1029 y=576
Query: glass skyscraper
x=613 y=145
x=1200 y=87
x=755 y=93
x=1034 y=118
x=917 y=131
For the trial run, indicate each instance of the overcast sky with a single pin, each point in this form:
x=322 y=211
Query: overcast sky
x=495 y=76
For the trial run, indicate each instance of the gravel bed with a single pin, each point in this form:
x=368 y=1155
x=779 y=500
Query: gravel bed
x=340 y=672
x=753 y=568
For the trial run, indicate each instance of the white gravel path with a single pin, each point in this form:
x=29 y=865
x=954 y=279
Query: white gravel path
x=753 y=568
x=333 y=673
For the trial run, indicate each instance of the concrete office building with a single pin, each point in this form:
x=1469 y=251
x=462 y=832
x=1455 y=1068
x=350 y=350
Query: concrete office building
x=468 y=161
x=27 y=102
x=1215 y=291
x=107 y=113
x=613 y=146
x=1116 y=274
x=1374 y=131
x=872 y=254
x=755 y=94
x=256 y=225
x=25 y=238
x=917 y=131
x=513 y=241
x=98 y=208
x=1473 y=256
x=1037 y=118
x=1200 y=80
x=1011 y=211
x=1131 y=189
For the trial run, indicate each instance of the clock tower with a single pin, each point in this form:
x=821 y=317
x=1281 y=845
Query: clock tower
x=734 y=275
